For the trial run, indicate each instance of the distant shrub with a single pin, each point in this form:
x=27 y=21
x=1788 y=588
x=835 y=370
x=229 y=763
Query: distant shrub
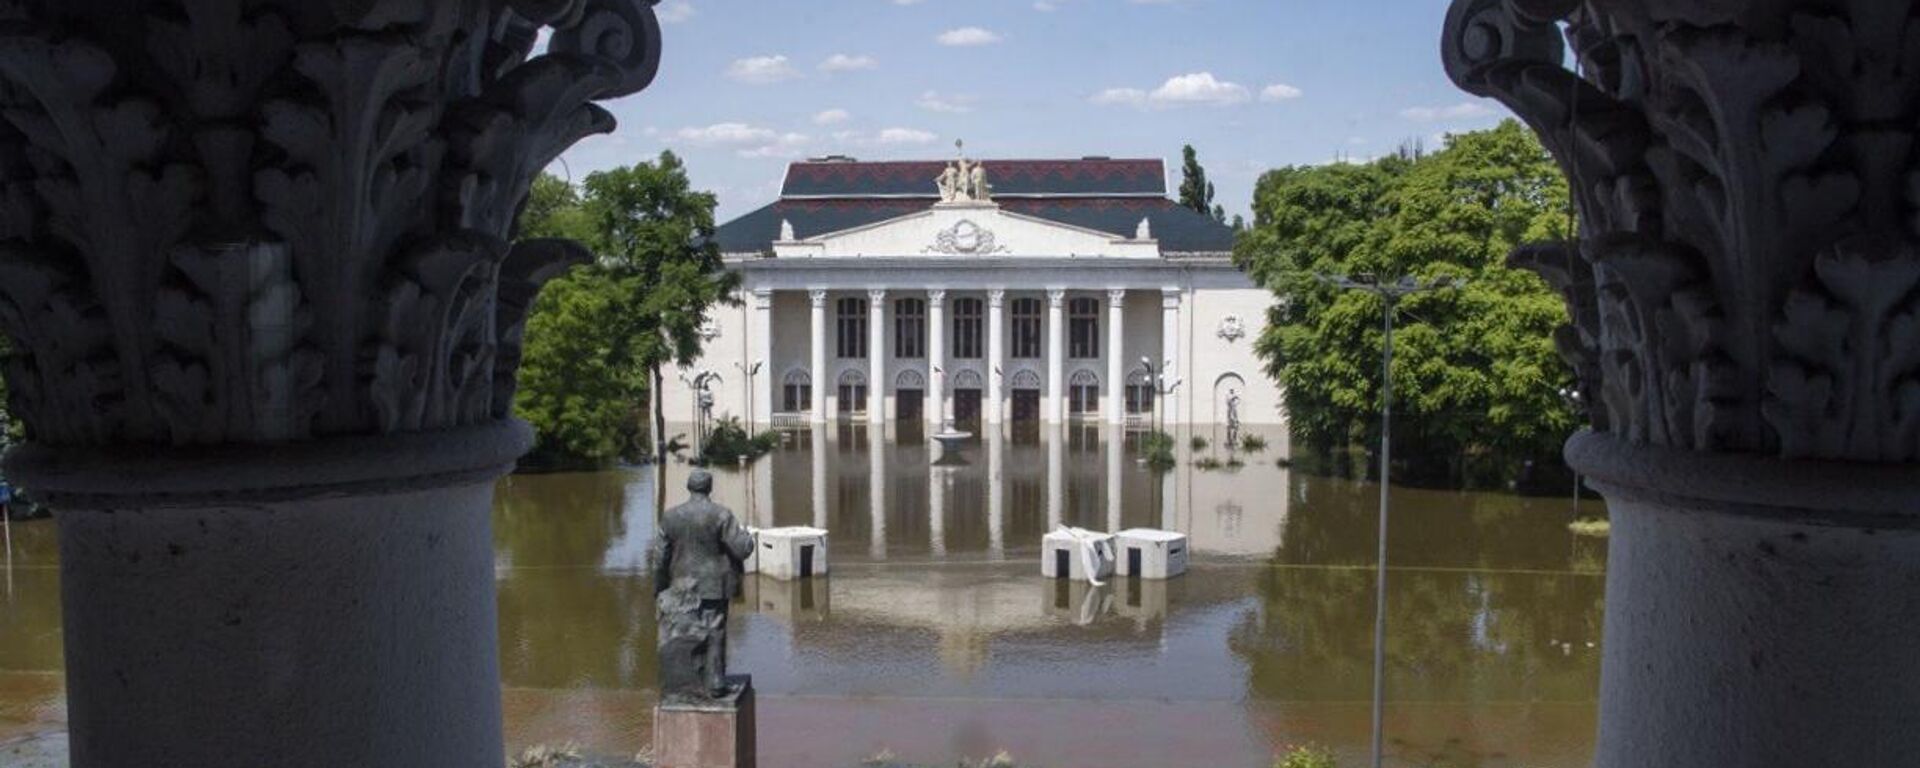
x=1207 y=463
x=1306 y=757
x=1199 y=443
x=729 y=441
x=1253 y=443
x=1158 y=449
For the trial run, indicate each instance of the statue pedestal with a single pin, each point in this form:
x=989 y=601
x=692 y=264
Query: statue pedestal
x=709 y=734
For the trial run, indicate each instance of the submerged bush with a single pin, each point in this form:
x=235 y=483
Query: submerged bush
x=1199 y=443
x=729 y=441
x=1306 y=757
x=1158 y=449
x=1253 y=443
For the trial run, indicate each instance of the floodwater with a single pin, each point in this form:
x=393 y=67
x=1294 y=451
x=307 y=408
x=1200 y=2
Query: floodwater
x=934 y=636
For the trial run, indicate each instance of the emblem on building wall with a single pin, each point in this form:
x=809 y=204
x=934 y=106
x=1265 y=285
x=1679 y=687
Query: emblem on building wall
x=1232 y=328
x=966 y=238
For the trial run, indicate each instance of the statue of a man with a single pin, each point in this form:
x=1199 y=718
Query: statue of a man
x=949 y=183
x=982 y=191
x=963 y=185
x=697 y=563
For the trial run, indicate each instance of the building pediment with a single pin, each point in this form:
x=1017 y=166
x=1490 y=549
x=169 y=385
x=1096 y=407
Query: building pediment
x=963 y=229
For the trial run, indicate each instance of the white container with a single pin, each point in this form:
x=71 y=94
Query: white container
x=1150 y=554
x=1076 y=555
x=792 y=553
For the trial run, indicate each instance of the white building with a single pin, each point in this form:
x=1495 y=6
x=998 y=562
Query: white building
x=998 y=291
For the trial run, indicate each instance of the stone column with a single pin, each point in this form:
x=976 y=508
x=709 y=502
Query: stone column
x=1169 y=404
x=266 y=314
x=938 y=478
x=877 y=335
x=1056 y=442
x=996 y=495
x=821 y=448
x=877 y=490
x=936 y=357
x=1116 y=405
x=821 y=377
x=1055 y=408
x=1743 y=299
x=996 y=405
x=1116 y=445
x=760 y=341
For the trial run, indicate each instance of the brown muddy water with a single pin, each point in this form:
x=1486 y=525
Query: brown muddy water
x=935 y=637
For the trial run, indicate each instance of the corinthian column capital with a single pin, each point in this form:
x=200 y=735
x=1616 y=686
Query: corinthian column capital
x=1746 y=278
x=234 y=222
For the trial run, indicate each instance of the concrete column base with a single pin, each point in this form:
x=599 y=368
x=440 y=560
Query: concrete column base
x=707 y=735
x=1759 y=612
x=303 y=605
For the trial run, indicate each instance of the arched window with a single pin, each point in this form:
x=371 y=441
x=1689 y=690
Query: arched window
x=968 y=379
x=853 y=392
x=1083 y=328
x=910 y=379
x=1026 y=329
x=910 y=329
x=853 y=328
x=967 y=329
x=797 y=391
x=1083 y=393
x=1139 y=392
x=1026 y=380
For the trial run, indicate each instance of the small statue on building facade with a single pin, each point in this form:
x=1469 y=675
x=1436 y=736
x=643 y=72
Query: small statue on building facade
x=964 y=181
x=698 y=559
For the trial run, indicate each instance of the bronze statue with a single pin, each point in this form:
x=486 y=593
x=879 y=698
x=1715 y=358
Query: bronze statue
x=698 y=560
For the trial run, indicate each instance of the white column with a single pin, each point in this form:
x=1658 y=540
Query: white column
x=877 y=490
x=819 y=451
x=1116 y=466
x=1054 y=410
x=937 y=509
x=1116 y=405
x=760 y=340
x=996 y=496
x=877 y=357
x=821 y=381
x=936 y=357
x=1056 y=476
x=996 y=356
x=1171 y=413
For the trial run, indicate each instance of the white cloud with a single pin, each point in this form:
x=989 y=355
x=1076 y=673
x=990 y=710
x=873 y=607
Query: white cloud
x=906 y=136
x=841 y=62
x=676 y=11
x=966 y=36
x=1462 y=111
x=953 y=104
x=1199 y=88
x=1044 y=6
x=722 y=134
x=785 y=145
x=1280 y=92
x=762 y=70
x=832 y=116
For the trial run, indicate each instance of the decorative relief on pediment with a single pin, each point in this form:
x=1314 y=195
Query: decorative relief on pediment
x=1232 y=328
x=966 y=239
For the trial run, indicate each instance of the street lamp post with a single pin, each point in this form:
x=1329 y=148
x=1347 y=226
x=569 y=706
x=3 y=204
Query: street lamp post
x=749 y=372
x=1390 y=294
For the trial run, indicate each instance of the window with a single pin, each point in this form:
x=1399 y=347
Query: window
x=1083 y=393
x=1083 y=329
x=1139 y=393
x=910 y=329
x=967 y=329
x=853 y=393
x=853 y=328
x=798 y=392
x=1026 y=329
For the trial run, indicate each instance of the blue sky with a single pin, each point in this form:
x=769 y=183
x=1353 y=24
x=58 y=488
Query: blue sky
x=747 y=86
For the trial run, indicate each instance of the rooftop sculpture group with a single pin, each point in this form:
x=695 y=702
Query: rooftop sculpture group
x=964 y=181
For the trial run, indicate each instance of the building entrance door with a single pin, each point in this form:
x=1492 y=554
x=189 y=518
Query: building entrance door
x=1026 y=405
x=966 y=407
x=909 y=404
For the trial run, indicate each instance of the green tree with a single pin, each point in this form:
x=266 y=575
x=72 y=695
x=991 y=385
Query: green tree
x=597 y=338
x=1195 y=191
x=653 y=235
x=1476 y=376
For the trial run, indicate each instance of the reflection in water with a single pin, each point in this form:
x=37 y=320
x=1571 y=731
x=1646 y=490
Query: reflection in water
x=935 y=636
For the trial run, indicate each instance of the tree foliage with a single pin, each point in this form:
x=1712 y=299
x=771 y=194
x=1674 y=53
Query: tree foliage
x=1195 y=191
x=597 y=338
x=1475 y=372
